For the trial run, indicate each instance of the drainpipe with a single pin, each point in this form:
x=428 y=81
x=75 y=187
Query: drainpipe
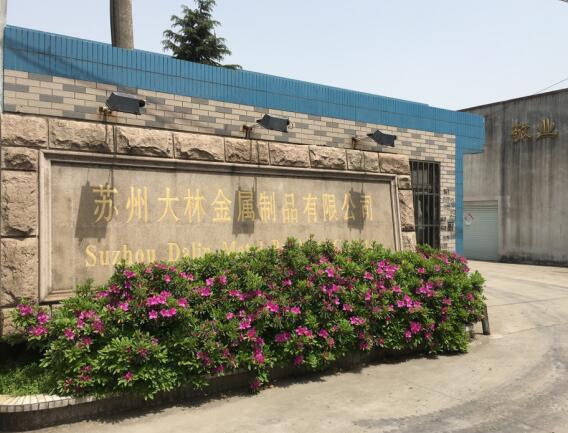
x=3 y=8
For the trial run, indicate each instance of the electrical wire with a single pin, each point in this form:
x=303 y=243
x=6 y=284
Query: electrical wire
x=555 y=84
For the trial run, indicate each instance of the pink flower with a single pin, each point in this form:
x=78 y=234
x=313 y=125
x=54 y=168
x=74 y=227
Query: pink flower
x=25 y=310
x=37 y=331
x=295 y=310
x=42 y=318
x=153 y=315
x=447 y=301
x=298 y=360
x=129 y=274
x=303 y=331
x=283 y=337
x=330 y=272
x=408 y=335
x=259 y=356
x=421 y=270
x=223 y=280
x=128 y=376
x=347 y=307
x=102 y=294
x=182 y=302
x=186 y=276
x=245 y=324
x=167 y=278
x=123 y=306
x=86 y=341
x=469 y=297
x=205 y=292
x=236 y=294
x=323 y=333
x=255 y=384
x=368 y=276
x=168 y=312
x=229 y=316
x=69 y=334
x=143 y=352
x=415 y=327
x=272 y=307
x=357 y=321
x=209 y=281
x=287 y=282
x=396 y=289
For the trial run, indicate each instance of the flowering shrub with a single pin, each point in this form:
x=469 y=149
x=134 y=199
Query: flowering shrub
x=155 y=327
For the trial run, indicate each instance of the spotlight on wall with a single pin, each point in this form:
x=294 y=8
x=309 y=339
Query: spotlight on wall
x=123 y=102
x=268 y=122
x=378 y=137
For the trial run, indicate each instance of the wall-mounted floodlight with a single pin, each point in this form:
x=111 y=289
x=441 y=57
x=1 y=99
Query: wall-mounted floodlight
x=378 y=137
x=268 y=122
x=123 y=102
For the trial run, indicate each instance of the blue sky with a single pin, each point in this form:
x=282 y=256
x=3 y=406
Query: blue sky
x=447 y=53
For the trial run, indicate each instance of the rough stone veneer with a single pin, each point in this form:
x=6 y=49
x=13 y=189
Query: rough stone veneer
x=68 y=98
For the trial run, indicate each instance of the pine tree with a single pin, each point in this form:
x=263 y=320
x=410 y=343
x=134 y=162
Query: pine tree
x=196 y=40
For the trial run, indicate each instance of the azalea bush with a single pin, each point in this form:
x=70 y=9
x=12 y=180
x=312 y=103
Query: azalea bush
x=155 y=327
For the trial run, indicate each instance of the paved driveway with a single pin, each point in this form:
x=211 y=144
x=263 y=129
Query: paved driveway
x=514 y=381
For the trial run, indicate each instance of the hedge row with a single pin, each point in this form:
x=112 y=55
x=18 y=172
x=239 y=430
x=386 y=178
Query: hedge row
x=155 y=327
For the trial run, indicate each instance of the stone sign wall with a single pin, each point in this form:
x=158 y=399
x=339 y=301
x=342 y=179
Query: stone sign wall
x=100 y=212
x=77 y=195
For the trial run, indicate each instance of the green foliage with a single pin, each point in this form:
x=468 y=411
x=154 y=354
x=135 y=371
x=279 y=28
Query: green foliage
x=24 y=378
x=195 y=39
x=155 y=327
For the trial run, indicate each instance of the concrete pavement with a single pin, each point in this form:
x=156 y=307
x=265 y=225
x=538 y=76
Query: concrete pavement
x=514 y=381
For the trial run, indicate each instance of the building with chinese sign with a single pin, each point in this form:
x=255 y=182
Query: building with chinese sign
x=85 y=186
x=515 y=192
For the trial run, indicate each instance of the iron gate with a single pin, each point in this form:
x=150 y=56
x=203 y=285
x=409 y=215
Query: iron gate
x=426 y=194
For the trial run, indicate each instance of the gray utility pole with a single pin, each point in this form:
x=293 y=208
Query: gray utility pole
x=121 y=31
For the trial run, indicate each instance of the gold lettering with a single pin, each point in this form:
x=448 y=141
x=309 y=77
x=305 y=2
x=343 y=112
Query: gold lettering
x=115 y=257
x=139 y=255
x=230 y=248
x=519 y=132
x=329 y=207
x=310 y=208
x=245 y=206
x=104 y=258
x=367 y=207
x=194 y=206
x=173 y=251
x=267 y=207
x=126 y=254
x=168 y=206
x=151 y=255
x=348 y=207
x=137 y=204
x=105 y=208
x=221 y=207
x=91 y=252
x=289 y=210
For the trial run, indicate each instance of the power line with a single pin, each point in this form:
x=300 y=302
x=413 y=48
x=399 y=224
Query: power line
x=555 y=84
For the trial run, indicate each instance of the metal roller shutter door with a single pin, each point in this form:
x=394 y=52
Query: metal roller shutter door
x=480 y=234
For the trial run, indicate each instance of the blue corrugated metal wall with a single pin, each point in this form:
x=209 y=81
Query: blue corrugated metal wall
x=45 y=53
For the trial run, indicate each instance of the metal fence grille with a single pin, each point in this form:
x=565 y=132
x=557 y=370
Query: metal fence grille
x=426 y=194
